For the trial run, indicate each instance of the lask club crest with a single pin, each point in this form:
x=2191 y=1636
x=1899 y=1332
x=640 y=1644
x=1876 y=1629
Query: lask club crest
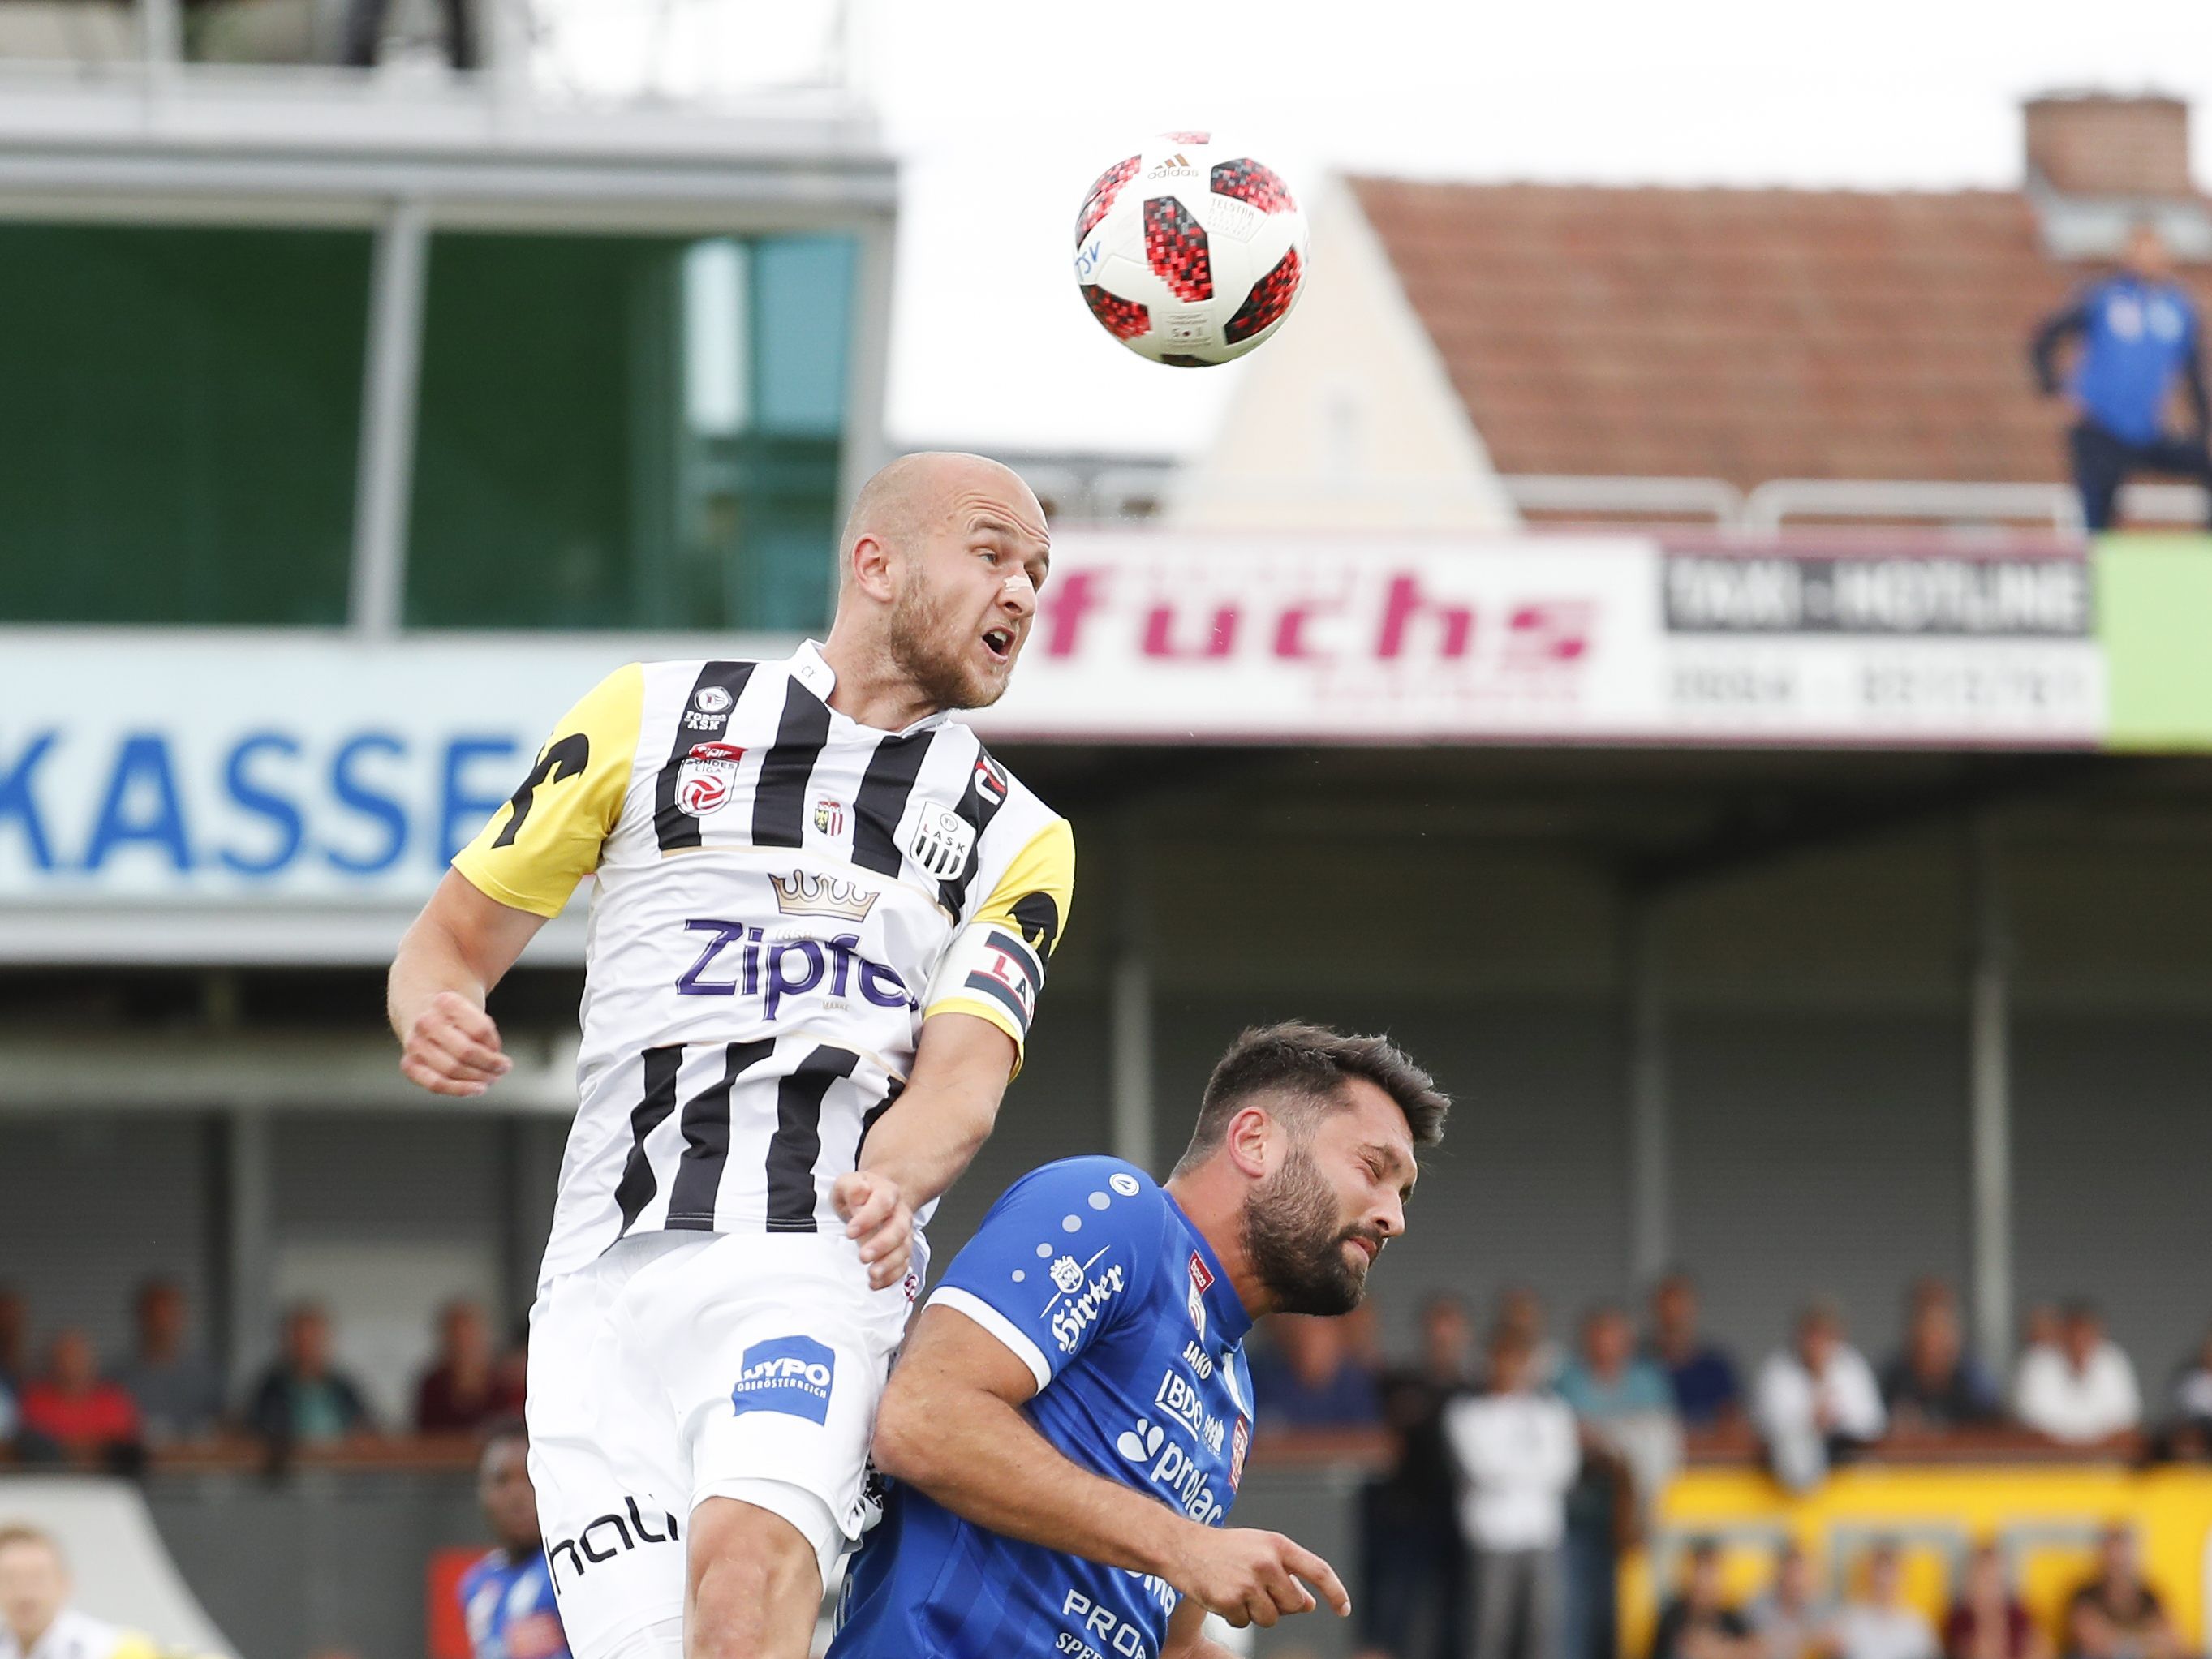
x=707 y=778
x=942 y=841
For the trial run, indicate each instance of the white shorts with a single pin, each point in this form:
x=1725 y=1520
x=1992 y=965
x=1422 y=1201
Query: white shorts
x=683 y=1366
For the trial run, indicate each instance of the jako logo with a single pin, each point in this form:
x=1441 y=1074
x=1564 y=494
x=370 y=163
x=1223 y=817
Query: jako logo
x=1069 y=1323
x=793 y=1375
x=606 y=1538
x=1198 y=1359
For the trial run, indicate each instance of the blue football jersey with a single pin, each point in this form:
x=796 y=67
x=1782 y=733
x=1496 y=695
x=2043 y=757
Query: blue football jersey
x=507 y=1606
x=1093 y=1276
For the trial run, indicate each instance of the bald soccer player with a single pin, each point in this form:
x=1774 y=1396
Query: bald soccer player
x=822 y=920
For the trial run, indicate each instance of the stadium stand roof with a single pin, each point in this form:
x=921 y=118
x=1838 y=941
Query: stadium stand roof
x=1755 y=334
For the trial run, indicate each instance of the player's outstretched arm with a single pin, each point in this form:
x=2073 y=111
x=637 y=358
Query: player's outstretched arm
x=456 y=950
x=919 y=1147
x=951 y=1425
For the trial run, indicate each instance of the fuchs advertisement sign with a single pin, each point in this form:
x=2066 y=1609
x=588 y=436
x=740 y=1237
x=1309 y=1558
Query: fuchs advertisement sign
x=1155 y=637
x=228 y=770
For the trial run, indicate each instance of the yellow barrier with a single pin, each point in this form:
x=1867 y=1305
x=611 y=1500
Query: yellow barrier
x=2045 y=1520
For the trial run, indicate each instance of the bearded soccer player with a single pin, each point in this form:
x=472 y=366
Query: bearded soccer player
x=1067 y=1427
x=821 y=919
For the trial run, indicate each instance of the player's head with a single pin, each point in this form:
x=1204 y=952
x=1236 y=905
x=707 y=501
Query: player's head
x=2147 y=254
x=34 y=1582
x=940 y=564
x=510 y=1503
x=1319 y=1128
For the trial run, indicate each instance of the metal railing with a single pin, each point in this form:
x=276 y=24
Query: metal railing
x=1770 y=506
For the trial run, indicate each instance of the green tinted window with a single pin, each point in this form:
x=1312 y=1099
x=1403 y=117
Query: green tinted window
x=622 y=432
x=179 y=419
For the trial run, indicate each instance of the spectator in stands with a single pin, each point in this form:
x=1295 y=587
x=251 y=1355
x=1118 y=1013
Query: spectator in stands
x=1791 y=1620
x=2082 y=1391
x=1514 y=1447
x=507 y=1597
x=15 y=1338
x=1883 y=1624
x=10 y=1418
x=1313 y=1379
x=2116 y=1615
x=1520 y=1309
x=2138 y=334
x=1706 y=1392
x=178 y=1393
x=1699 y=1623
x=2192 y=1389
x=1988 y=1621
x=72 y=1413
x=462 y=1392
x=1631 y=1444
x=303 y=1400
x=1816 y=1402
x=1933 y=1385
x=36 y=1620
x=1412 y=1561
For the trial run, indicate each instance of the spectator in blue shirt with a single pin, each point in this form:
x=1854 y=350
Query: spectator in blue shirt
x=1308 y=1376
x=1707 y=1392
x=2139 y=340
x=507 y=1597
x=1629 y=1437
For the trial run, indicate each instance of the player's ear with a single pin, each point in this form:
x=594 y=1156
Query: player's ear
x=869 y=567
x=1251 y=1141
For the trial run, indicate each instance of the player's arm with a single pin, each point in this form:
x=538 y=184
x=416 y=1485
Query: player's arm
x=951 y=1425
x=505 y=884
x=456 y=951
x=976 y=1019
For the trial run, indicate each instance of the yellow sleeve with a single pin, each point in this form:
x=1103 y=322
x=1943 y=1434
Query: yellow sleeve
x=537 y=847
x=135 y=1644
x=995 y=968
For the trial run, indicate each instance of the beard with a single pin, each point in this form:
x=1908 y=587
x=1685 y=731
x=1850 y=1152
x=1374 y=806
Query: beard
x=1295 y=1242
x=921 y=622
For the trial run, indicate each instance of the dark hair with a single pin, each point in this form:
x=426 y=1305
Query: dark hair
x=1310 y=1065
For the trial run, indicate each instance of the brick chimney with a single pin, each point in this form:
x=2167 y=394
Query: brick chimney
x=2097 y=144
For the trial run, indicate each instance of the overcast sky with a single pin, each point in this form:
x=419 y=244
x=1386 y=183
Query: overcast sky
x=1003 y=111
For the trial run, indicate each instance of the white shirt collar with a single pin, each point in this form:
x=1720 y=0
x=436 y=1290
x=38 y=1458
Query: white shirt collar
x=812 y=670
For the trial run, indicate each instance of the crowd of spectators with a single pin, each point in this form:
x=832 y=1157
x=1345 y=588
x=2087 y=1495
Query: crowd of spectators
x=2113 y=1614
x=1521 y=1470
x=60 y=1405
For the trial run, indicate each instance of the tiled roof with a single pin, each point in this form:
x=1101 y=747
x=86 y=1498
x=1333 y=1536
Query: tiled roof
x=1737 y=334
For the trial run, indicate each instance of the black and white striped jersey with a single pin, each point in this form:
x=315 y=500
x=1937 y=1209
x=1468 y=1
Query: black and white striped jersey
x=784 y=897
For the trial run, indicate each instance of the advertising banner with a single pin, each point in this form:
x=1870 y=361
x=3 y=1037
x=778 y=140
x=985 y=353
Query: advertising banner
x=233 y=774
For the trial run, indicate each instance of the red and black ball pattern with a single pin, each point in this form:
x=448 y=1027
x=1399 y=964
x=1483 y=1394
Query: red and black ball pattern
x=1176 y=248
x=1247 y=181
x=1100 y=201
x=1270 y=298
x=1124 y=320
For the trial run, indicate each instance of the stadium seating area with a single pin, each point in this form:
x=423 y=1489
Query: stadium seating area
x=1325 y=1386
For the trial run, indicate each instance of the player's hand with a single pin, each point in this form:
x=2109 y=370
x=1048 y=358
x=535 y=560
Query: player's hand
x=879 y=1220
x=453 y=1047
x=1251 y=1578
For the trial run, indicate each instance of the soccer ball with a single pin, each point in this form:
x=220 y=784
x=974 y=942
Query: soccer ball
x=1189 y=252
